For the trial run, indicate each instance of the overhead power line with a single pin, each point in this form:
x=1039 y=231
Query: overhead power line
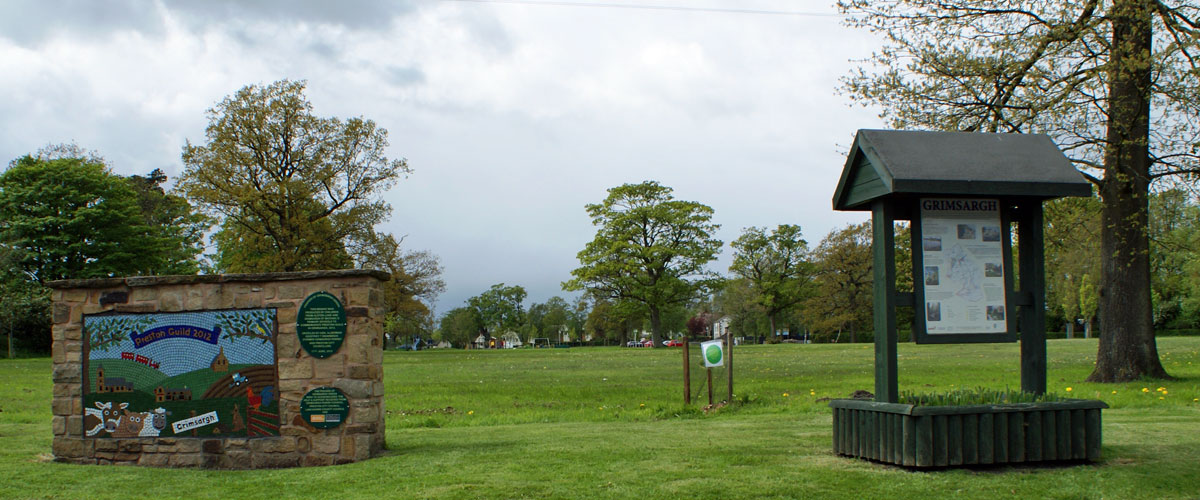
x=603 y=5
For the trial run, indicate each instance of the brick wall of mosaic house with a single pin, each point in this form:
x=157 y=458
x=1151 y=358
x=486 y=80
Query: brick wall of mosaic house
x=219 y=371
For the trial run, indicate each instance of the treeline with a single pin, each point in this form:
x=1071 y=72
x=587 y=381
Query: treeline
x=272 y=187
x=778 y=287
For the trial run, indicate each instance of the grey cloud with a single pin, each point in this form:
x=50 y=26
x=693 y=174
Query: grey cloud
x=30 y=22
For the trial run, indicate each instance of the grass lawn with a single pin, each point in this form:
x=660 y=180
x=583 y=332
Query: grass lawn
x=610 y=423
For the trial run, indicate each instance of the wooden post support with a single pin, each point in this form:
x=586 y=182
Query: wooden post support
x=687 y=376
x=883 y=216
x=729 y=362
x=1030 y=234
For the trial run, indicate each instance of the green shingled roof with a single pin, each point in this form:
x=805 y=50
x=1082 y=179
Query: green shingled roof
x=898 y=163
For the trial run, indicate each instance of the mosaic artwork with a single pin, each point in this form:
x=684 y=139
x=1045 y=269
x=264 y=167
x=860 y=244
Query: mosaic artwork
x=191 y=374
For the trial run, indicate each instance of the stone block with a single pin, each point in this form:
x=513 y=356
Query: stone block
x=247 y=300
x=153 y=459
x=195 y=299
x=369 y=413
x=358 y=371
x=143 y=294
x=354 y=389
x=358 y=297
x=331 y=367
x=74 y=426
x=106 y=445
x=186 y=460
x=58 y=352
x=170 y=301
x=327 y=444
x=282 y=444
x=236 y=443
x=212 y=446
x=72 y=447
x=303 y=445
x=240 y=459
x=286 y=314
x=62 y=406
x=144 y=307
x=295 y=368
x=317 y=460
x=75 y=295
x=275 y=460
x=73 y=357
x=61 y=313
x=58 y=425
x=287 y=345
x=362 y=447
x=291 y=292
x=73 y=332
x=113 y=297
x=67 y=373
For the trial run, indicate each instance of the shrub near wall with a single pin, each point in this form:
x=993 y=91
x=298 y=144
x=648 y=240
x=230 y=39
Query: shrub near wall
x=249 y=412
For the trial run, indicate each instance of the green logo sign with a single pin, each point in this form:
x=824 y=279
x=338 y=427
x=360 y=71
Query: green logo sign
x=321 y=324
x=324 y=407
x=713 y=354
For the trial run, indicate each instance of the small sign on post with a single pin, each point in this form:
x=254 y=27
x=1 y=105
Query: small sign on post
x=713 y=353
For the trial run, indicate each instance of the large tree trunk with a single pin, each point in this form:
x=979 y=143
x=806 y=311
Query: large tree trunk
x=1127 y=348
x=655 y=327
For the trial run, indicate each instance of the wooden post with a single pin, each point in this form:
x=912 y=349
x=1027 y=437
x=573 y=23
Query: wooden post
x=1030 y=235
x=687 y=376
x=729 y=362
x=710 y=401
x=883 y=246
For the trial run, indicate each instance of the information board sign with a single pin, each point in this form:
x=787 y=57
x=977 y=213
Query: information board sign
x=962 y=273
x=324 y=407
x=321 y=324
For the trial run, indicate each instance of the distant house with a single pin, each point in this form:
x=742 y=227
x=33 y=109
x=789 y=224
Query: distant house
x=511 y=340
x=220 y=364
x=720 y=327
x=111 y=384
x=162 y=394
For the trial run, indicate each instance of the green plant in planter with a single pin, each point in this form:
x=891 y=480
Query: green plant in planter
x=976 y=396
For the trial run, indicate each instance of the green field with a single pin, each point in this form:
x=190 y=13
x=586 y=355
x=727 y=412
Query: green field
x=610 y=423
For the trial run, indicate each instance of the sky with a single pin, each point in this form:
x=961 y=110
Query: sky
x=512 y=114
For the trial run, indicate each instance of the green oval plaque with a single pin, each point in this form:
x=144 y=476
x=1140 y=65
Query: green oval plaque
x=321 y=324
x=324 y=407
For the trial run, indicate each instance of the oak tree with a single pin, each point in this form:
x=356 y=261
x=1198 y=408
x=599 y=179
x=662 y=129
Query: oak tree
x=775 y=265
x=288 y=182
x=649 y=248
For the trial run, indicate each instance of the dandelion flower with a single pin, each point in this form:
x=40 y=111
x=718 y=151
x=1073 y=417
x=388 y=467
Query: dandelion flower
x=1164 y=391
x=1068 y=389
x=1145 y=389
x=472 y=412
x=643 y=405
x=1160 y=397
x=785 y=394
x=1114 y=392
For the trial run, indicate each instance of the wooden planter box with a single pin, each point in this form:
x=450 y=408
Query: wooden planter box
x=947 y=436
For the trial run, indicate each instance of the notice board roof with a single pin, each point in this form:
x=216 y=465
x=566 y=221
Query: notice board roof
x=901 y=163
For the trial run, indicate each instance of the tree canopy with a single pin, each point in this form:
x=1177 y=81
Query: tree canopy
x=70 y=218
x=1113 y=82
x=649 y=248
x=292 y=189
x=775 y=265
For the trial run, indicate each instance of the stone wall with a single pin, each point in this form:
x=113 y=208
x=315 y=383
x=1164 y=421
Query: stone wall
x=356 y=368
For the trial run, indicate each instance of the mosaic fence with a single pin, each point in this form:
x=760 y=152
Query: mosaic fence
x=227 y=371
